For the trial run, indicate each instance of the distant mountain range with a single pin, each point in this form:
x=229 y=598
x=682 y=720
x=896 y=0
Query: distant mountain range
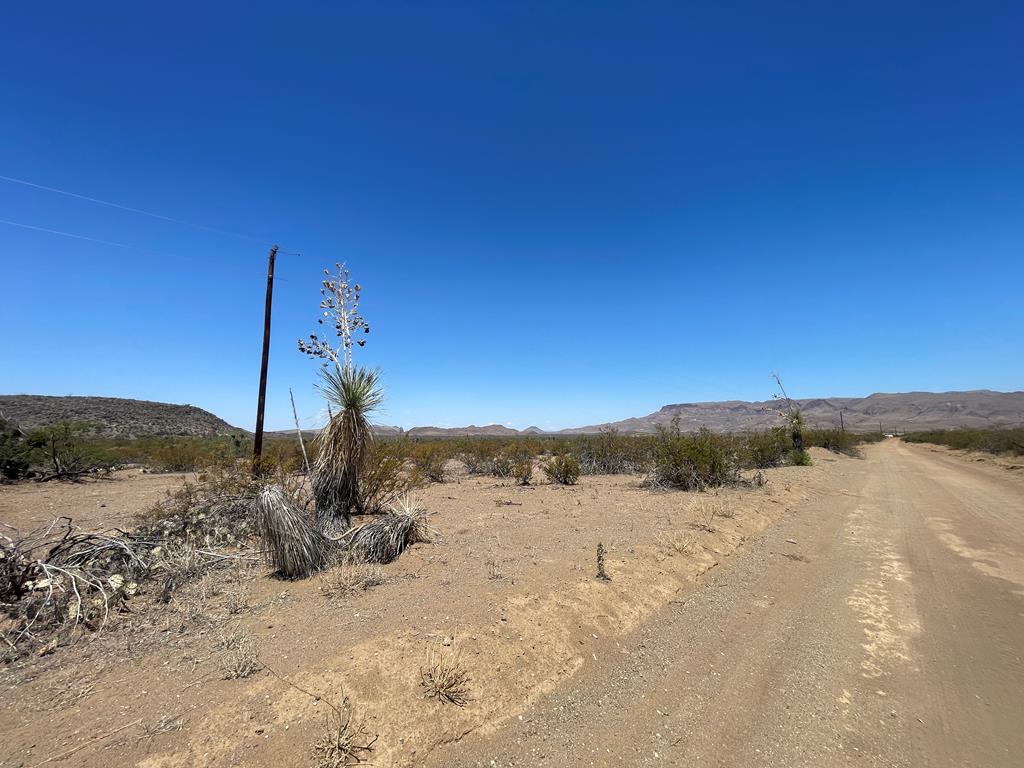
x=906 y=411
x=899 y=411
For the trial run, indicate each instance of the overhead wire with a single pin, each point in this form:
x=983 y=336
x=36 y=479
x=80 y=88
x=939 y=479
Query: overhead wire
x=132 y=209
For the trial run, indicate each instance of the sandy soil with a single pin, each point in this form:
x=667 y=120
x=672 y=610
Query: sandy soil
x=891 y=629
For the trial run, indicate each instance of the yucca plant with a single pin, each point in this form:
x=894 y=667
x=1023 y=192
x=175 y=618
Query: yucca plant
x=345 y=444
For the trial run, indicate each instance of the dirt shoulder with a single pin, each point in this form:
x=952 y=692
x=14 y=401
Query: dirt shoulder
x=880 y=622
x=510 y=586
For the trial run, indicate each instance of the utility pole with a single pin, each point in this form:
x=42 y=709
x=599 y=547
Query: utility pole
x=257 y=444
x=842 y=426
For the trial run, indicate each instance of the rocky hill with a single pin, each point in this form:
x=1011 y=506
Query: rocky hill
x=114 y=416
x=905 y=411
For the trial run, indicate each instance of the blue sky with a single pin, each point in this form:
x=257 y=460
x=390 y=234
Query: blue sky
x=561 y=213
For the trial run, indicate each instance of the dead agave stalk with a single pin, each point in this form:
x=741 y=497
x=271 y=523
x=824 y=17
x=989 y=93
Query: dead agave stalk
x=295 y=545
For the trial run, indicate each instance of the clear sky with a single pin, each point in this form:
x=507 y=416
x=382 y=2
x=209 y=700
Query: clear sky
x=561 y=213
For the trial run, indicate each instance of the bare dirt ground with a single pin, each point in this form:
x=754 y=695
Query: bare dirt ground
x=890 y=633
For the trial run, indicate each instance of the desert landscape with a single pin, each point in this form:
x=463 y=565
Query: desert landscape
x=511 y=385
x=809 y=616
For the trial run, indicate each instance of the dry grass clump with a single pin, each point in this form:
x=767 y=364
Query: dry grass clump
x=349 y=578
x=445 y=678
x=705 y=512
x=676 y=542
x=296 y=547
x=344 y=738
x=239 y=656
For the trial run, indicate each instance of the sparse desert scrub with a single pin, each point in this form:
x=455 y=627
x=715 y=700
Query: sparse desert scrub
x=429 y=459
x=444 y=677
x=612 y=453
x=765 y=448
x=995 y=440
x=563 y=469
x=214 y=511
x=839 y=441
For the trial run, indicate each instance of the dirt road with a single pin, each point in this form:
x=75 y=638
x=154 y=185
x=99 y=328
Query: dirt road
x=891 y=633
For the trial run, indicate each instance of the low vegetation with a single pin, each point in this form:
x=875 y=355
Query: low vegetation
x=563 y=469
x=995 y=440
x=445 y=678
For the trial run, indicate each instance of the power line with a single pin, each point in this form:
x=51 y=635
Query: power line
x=81 y=237
x=132 y=210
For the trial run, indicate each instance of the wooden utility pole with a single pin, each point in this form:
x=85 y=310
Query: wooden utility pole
x=257 y=444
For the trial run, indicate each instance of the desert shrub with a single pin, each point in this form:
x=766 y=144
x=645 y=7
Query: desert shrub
x=478 y=455
x=61 y=449
x=765 y=448
x=612 y=453
x=502 y=464
x=993 y=440
x=799 y=458
x=429 y=459
x=15 y=455
x=563 y=469
x=692 y=461
x=523 y=469
x=385 y=479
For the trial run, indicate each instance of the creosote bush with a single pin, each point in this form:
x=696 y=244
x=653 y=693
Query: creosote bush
x=692 y=462
x=522 y=469
x=563 y=469
x=799 y=458
x=429 y=460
